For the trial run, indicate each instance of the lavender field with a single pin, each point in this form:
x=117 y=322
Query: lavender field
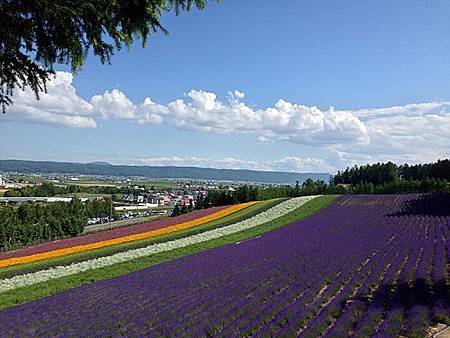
x=368 y=265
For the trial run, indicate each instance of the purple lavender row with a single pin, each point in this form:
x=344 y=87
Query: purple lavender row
x=425 y=263
x=356 y=323
x=358 y=285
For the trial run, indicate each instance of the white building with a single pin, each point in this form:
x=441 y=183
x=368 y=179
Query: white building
x=4 y=184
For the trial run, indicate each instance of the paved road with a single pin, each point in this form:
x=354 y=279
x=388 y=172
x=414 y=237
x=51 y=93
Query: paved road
x=117 y=224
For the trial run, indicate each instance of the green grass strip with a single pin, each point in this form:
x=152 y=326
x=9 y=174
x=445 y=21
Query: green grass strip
x=238 y=216
x=28 y=293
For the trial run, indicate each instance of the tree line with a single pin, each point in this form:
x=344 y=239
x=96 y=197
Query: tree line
x=247 y=193
x=378 y=178
x=47 y=189
x=214 y=198
x=392 y=178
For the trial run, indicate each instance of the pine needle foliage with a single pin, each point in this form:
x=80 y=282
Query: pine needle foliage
x=37 y=34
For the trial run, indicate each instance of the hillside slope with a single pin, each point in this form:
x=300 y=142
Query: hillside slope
x=159 y=172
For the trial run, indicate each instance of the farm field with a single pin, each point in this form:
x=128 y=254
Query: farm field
x=113 y=237
x=103 y=183
x=367 y=265
x=234 y=223
x=118 y=233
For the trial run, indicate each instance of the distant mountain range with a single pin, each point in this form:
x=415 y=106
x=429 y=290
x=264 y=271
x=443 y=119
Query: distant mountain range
x=155 y=172
x=100 y=163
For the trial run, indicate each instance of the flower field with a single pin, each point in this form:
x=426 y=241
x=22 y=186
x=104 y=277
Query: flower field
x=62 y=271
x=127 y=238
x=26 y=268
x=109 y=234
x=366 y=266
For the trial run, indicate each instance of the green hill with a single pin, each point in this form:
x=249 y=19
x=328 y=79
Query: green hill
x=158 y=172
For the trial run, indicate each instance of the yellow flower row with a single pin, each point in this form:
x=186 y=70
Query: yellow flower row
x=125 y=239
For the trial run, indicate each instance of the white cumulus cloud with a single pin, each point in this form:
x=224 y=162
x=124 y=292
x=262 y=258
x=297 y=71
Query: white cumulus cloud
x=411 y=132
x=290 y=164
x=61 y=105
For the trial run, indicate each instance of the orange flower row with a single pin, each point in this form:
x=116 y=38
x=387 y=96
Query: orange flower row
x=125 y=239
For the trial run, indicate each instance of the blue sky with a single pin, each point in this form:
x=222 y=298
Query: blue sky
x=327 y=84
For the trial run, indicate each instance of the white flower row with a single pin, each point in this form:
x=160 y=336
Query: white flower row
x=63 y=271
